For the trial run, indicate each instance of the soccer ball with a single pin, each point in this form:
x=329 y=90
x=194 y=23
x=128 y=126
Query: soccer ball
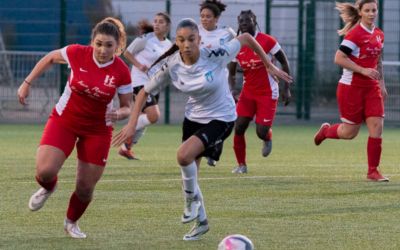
x=236 y=242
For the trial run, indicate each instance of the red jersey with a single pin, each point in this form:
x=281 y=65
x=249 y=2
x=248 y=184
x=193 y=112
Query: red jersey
x=91 y=88
x=366 y=46
x=256 y=80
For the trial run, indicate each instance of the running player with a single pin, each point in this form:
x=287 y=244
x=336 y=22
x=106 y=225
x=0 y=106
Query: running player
x=361 y=89
x=260 y=91
x=210 y=110
x=141 y=53
x=83 y=116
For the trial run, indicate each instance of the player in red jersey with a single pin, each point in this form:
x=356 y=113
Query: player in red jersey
x=83 y=116
x=361 y=89
x=260 y=91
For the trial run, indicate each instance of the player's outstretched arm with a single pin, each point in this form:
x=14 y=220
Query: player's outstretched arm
x=129 y=129
x=51 y=58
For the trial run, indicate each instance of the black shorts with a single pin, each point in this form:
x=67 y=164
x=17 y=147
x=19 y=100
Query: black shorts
x=151 y=99
x=211 y=134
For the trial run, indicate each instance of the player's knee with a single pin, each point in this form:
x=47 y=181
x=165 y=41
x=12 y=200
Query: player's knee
x=45 y=174
x=240 y=129
x=153 y=116
x=262 y=132
x=350 y=134
x=183 y=158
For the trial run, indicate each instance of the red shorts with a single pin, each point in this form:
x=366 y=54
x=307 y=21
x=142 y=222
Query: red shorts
x=262 y=106
x=358 y=103
x=92 y=148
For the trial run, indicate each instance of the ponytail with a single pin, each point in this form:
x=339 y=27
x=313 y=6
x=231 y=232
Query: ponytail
x=167 y=53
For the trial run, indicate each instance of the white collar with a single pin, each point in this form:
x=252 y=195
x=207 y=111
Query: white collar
x=366 y=29
x=100 y=65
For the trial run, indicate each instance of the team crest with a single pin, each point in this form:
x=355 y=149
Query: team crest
x=209 y=76
x=109 y=81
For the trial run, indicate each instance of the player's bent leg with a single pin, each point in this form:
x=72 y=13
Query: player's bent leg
x=265 y=133
x=49 y=161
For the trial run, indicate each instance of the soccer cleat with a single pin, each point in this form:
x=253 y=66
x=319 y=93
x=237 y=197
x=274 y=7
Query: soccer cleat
x=319 y=137
x=73 y=229
x=126 y=152
x=241 y=169
x=200 y=228
x=267 y=148
x=38 y=199
x=211 y=162
x=376 y=176
x=191 y=210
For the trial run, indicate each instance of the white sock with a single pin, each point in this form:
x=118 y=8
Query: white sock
x=189 y=180
x=141 y=125
x=142 y=122
x=202 y=209
x=138 y=134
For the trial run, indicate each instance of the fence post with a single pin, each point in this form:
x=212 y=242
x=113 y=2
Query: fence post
x=167 y=88
x=268 y=16
x=299 y=80
x=380 y=17
x=309 y=60
x=63 y=68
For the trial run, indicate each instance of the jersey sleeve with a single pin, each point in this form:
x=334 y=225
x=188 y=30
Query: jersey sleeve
x=70 y=52
x=125 y=86
x=137 y=45
x=350 y=41
x=158 y=80
x=272 y=45
x=224 y=54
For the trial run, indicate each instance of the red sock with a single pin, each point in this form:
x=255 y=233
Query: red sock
x=331 y=132
x=47 y=185
x=239 y=146
x=374 y=150
x=76 y=208
x=269 y=135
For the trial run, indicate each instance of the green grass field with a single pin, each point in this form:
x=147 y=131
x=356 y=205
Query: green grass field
x=300 y=197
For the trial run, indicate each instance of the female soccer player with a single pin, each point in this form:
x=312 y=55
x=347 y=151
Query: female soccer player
x=361 y=90
x=213 y=36
x=260 y=91
x=83 y=116
x=141 y=53
x=210 y=110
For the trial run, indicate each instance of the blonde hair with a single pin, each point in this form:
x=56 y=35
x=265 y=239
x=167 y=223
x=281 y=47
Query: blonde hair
x=113 y=27
x=350 y=14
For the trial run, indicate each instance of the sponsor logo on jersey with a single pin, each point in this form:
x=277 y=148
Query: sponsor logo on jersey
x=109 y=81
x=218 y=52
x=82 y=70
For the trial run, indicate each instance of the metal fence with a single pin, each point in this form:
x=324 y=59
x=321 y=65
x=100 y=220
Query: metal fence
x=306 y=29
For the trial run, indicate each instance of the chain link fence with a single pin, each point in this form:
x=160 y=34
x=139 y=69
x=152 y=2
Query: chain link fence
x=306 y=29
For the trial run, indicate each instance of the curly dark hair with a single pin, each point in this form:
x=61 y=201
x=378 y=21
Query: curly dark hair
x=214 y=5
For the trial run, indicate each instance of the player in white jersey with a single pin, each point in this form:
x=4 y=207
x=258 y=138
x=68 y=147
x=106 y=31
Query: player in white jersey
x=212 y=36
x=210 y=110
x=141 y=53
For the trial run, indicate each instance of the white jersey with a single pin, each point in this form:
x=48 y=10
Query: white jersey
x=215 y=38
x=146 y=49
x=205 y=82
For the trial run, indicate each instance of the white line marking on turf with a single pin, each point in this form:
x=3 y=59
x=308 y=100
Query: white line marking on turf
x=327 y=178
